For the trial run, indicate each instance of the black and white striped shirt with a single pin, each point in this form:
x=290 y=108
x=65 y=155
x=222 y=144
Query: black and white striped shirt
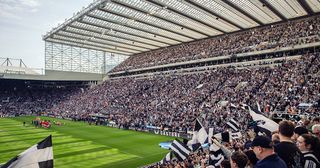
x=311 y=161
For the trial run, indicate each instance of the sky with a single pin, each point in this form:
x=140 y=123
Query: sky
x=23 y=22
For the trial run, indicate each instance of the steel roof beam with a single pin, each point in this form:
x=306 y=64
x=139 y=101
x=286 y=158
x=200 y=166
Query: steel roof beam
x=97 y=37
x=275 y=11
x=88 y=9
x=76 y=45
x=95 y=31
x=141 y=21
x=88 y=36
x=242 y=11
x=124 y=32
x=180 y=25
x=305 y=6
x=183 y=14
x=71 y=37
x=125 y=25
x=214 y=14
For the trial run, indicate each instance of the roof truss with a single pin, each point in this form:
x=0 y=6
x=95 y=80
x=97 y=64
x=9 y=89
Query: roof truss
x=133 y=26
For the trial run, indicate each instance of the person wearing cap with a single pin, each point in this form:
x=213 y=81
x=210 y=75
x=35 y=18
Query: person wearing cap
x=263 y=149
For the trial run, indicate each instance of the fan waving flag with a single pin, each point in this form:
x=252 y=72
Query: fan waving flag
x=200 y=136
x=200 y=133
x=37 y=156
x=181 y=151
x=264 y=124
x=167 y=158
x=234 y=125
x=215 y=156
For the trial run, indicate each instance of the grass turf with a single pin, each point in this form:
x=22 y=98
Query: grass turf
x=77 y=144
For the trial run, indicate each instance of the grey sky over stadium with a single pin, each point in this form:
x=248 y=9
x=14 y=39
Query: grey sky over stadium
x=23 y=22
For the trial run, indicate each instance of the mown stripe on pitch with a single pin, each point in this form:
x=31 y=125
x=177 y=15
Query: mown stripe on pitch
x=75 y=145
x=100 y=136
x=26 y=136
x=119 y=162
x=89 y=159
x=68 y=145
x=17 y=139
x=104 y=162
x=76 y=149
x=68 y=142
x=67 y=139
x=13 y=150
x=34 y=130
x=78 y=152
x=23 y=133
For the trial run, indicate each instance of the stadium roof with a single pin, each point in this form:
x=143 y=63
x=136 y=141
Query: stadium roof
x=133 y=26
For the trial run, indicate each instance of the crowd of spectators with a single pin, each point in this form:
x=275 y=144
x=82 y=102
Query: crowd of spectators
x=291 y=146
x=286 y=34
x=18 y=97
x=173 y=101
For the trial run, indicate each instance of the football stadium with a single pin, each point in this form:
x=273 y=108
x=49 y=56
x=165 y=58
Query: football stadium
x=168 y=84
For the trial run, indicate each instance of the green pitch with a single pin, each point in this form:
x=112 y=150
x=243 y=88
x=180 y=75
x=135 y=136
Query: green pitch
x=77 y=144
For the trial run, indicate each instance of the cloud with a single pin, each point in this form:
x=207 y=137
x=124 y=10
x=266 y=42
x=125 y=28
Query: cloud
x=30 y=3
x=12 y=9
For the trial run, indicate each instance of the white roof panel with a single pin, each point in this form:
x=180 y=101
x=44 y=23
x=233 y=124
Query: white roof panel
x=134 y=26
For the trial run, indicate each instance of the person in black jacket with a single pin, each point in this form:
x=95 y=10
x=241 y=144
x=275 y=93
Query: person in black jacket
x=286 y=149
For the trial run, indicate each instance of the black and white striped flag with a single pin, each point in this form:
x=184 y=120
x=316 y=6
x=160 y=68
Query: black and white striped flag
x=200 y=136
x=234 y=125
x=223 y=136
x=181 y=151
x=264 y=124
x=167 y=158
x=37 y=156
x=215 y=155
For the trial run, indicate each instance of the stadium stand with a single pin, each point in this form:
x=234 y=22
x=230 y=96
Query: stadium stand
x=23 y=97
x=170 y=101
x=268 y=37
x=173 y=101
